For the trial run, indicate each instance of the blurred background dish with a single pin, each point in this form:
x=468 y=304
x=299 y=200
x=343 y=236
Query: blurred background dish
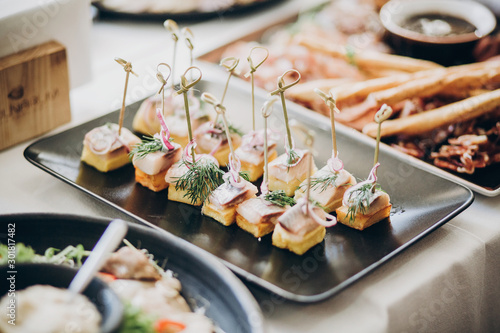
x=444 y=31
x=208 y=286
x=98 y=292
x=174 y=9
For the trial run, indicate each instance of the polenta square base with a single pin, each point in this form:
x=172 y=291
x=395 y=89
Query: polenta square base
x=257 y=230
x=182 y=140
x=146 y=110
x=289 y=188
x=225 y=216
x=104 y=163
x=222 y=154
x=256 y=171
x=331 y=207
x=282 y=239
x=181 y=196
x=361 y=221
x=155 y=183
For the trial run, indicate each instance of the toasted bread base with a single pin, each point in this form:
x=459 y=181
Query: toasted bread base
x=331 y=207
x=155 y=183
x=289 y=188
x=257 y=230
x=182 y=140
x=282 y=239
x=256 y=171
x=225 y=216
x=180 y=196
x=222 y=154
x=104 y=163
x=139 y=124
x=361 y=221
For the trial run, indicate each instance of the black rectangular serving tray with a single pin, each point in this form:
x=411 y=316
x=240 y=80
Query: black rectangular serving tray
x=422 y=202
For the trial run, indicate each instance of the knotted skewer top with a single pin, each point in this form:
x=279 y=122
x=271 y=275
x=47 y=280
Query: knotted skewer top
x=382 y=115
x=253 y=68
x=173 y=28
x=328 y=99
x=281 y=82
x=160 y=77
x=185 y=84
x=127 y=65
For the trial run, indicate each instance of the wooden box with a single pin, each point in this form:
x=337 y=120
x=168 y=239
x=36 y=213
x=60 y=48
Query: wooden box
x=34 y=93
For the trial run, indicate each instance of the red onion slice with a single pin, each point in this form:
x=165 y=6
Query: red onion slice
x=101 y=139
x=335 y=163
x=372 y=179
x=164 y=133
x=307 y=210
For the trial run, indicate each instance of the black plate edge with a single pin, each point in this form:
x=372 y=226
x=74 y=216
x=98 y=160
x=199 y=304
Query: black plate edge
x=356 y=277
x=245 y=297
x=249 y=277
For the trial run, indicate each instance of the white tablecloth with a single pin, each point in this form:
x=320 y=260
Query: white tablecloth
x=447 y=282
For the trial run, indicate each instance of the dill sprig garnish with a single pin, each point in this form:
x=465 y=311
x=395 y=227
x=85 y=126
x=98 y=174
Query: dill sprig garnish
x=360 y=200
x=291 y=157
x=200 y=180
x=324 y=181
x=245 y=175
x=234 y=130
x=279 y=198
x=148 y=145
x=317 y=204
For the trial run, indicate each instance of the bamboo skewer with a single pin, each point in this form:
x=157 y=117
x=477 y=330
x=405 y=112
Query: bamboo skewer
x=253 y=69
x=184 y=89
x=127 y=66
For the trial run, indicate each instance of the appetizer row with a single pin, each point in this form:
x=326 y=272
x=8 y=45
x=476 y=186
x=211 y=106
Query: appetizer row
x=193 y=176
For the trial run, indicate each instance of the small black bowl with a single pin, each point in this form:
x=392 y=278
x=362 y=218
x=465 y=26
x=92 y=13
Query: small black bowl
x=452 y=49
x=98 y=292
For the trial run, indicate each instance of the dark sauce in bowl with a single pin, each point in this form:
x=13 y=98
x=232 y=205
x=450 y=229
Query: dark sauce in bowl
x=438 y=25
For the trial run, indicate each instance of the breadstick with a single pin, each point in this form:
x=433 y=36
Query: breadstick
x=360 y=90
x=367 y=59
x=472 y=79
x=305 y=91
x=428 y=86
x=461 y=111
